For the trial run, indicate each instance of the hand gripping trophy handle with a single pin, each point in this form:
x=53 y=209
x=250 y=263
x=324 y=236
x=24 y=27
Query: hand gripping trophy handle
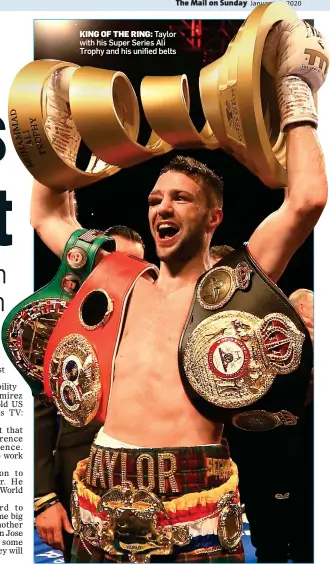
x=55 y=104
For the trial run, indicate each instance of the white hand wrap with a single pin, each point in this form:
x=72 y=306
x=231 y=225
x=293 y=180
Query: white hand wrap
x=295 y=101
x=296 y=55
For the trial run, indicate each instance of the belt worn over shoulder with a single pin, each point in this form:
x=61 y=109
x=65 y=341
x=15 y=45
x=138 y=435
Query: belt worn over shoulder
x=79 y=359
x=244 y=344
x=27 y=328
x=136 y=503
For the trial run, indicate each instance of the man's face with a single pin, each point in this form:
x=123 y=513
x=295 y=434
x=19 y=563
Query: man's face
x=127 y=246
x=178 y=217
x=75 y=257
x=70 y=285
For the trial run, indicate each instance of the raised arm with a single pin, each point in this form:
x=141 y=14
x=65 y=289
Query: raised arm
x=53 y=216
x=281 y=234
x=295 y=54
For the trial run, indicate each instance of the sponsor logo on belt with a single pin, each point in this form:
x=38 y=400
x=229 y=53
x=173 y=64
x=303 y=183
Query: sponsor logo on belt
x=218 y=467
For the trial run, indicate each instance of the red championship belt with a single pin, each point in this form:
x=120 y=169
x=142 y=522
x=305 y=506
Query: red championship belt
x=80 y=356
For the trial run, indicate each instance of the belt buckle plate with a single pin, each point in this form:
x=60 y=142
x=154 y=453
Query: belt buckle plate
x=131 y=527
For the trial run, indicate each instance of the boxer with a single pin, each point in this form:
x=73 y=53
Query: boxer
x=158 y=477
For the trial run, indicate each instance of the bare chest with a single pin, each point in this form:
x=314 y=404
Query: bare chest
x=154 y=324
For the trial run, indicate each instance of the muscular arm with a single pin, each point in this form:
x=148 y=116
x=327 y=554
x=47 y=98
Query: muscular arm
x=281 y=234
x=53 y=216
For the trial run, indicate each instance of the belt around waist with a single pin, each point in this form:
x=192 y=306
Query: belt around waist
x=164 y=471
x=197 y=506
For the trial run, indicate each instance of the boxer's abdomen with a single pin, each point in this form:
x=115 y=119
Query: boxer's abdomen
x=148 y=405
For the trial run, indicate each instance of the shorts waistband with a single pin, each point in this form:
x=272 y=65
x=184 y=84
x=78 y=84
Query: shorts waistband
x=166 y=471
x=102 y=439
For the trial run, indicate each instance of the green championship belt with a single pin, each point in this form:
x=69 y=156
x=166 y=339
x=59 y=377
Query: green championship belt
x=27 y=328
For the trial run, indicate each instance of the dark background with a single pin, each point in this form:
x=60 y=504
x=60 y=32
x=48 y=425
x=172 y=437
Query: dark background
x=122 y=199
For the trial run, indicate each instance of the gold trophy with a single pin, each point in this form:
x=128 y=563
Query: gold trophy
x=55 y=104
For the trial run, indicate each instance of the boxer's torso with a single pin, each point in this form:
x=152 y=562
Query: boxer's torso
x=148 y=405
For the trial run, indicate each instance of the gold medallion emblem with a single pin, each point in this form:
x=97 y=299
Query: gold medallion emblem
x=232 y=357
x=131 y=526
x=230 y=522
x=75 y=380
x=70 y=284
x=215 y=287
x=76 y=257
x=220 y=283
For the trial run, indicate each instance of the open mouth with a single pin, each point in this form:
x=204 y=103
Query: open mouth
x=166 y=232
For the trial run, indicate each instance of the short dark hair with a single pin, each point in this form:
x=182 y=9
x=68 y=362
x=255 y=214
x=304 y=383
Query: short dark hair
x=126 y=232
x=220 y=251
x=201 y=174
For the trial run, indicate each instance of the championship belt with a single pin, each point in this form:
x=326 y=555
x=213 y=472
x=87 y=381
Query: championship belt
x=244 y=344
x=27 y=328
x=79 y=359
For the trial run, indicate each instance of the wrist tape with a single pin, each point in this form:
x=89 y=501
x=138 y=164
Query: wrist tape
x=295 y=101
